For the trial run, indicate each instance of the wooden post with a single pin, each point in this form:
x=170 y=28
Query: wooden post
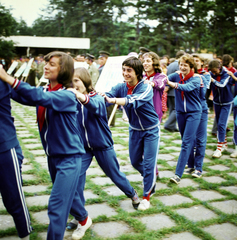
x=112 y=114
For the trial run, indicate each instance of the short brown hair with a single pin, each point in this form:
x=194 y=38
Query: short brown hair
x=136 y=65
x=187 y=58
x=215 y=63
x=66 y=64
x=84 y=75
x=155 y=59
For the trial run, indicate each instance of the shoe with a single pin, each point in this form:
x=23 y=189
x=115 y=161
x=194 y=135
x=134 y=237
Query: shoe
x=214 y=134
x=228 y=130
x=80 y=231
x=72 y=225
x=171 y=130
x=217 y=154
x=175 y=179
x=144 y=205
x=234 y=154
x=197 y=174
x=135 y=200
x=224 y=148
x=189 y=171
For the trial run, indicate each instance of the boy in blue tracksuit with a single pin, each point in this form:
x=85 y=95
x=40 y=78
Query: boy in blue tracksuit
x=188 y=109
x=98 y=142
x=195 y=161
x=11 y=159
x=234 y=77
x=221 y=84
x=137 y=97
x=59 y=132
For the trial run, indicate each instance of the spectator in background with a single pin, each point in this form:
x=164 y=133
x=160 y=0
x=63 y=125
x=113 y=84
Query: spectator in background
x=93 y=71
x=142 y=50
x=103 y=57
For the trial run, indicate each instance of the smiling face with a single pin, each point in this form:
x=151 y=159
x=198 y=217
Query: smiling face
x=184 y=68
x=216 y=71
x=198 y=62
x=148 y=65
x=52 y=68
x=129 y=75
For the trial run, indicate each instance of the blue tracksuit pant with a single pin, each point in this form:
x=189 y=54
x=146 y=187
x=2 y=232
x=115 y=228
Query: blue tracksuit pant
x=235 y=125
x=188 y=124
x=11 y=189
x=196 y=161
x=222 y=115
x=64 y=172
x=143 y=153
x=108 y=162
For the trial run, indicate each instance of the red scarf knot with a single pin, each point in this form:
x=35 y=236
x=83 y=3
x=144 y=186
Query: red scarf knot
x=191 y=73
x=130 y=88
x=42 y=110
x=152 y=75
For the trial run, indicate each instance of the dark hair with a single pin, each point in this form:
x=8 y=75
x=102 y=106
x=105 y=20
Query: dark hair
x=66 y=64
x=187 y=58
x=226 y=60
x=179 y=54
x=136 y=64
x=84 y=75
x=215 y=63
x=155 y=59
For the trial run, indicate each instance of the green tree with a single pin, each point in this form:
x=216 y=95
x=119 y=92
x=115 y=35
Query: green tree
x=7 y=24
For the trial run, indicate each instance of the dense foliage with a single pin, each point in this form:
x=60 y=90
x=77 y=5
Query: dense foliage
x=191 y=25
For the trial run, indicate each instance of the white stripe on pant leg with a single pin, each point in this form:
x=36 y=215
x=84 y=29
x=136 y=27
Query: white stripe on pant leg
x=20 y=190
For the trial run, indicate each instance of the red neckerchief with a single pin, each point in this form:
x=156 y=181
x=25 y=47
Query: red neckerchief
x=130 y=88
x=101 y=66
x=191 y=73
x=232 y=69
x=201 y=70
x=152 y=75
x=42 y=110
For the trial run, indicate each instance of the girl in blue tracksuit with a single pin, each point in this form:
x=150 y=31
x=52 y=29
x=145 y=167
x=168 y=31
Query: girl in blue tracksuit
x=195 y=161
x=11 y=159
x=60 y=136
x=97 y=139
x=188 y=109
x=221 y=84
x=137 y=97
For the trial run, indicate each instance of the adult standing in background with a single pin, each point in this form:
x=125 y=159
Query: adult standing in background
x=93 y=71
x=170 y=124
x=103 y=57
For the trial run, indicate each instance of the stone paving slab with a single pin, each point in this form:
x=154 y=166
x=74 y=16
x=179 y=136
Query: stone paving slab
x=176 y=154
x=229 y=206
x=96 y=210
x=178 y=149
x=30 y=140
x=118 y=147
x=182 y=236
x=173 y=200
x=231 y=189
x=233 y=174
x=10 y=238
x=167 y=157
x=205 y=195
x=185 y=182
x=166 y=174
x=41 y=217
x=33 y=145
x=219 y=167
x=37 y=200
x=224 y=231
x=6 y=221
x=135 y=178
x=126 y=205
x=38 y=152
x=102 y=180
x=112 y=229
x=157 y=221
x=35 y=188
x=94 y=171
x=25 y=167
x=214 y=179
x=88 y=194
x=197 y=213
x=27 y=177
x=113 y=191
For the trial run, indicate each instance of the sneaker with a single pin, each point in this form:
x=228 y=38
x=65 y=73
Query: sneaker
x=224 y=148
x=144 y=205
x=189 y=171
x=234 y=154
x=135 y=200
x=175 y=179
x=197 y=174
x=80 y=231
x=72 y=225
x=217 y=154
